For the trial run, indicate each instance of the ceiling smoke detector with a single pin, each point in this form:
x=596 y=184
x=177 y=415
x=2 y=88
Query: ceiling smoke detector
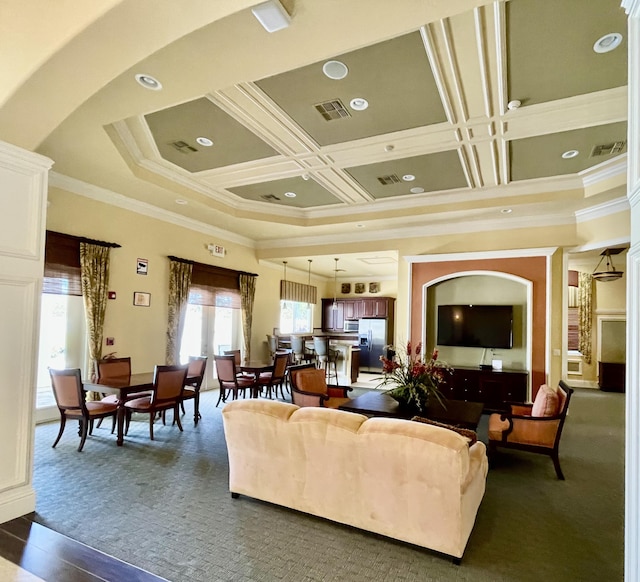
x=610 y=274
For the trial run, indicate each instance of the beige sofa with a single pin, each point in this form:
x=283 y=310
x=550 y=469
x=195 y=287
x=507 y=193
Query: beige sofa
x=414 y=482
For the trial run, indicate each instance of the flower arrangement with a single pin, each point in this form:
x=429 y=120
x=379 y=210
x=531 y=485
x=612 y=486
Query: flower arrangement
x=414 y=378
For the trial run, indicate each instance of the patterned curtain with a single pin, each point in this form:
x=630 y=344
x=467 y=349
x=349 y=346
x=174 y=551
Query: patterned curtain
x=247 y=293
x=585 y=292
x=179 y=282
x=94 y=276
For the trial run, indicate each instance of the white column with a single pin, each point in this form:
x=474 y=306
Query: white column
x=23 y=196
x=632 y=461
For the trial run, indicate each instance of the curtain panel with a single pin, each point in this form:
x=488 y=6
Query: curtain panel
x=299 y=292
x=585 y=310
x=247 y=294
x=94 y=264
x=179 y=283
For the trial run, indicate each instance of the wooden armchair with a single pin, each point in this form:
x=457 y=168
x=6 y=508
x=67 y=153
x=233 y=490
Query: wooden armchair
x=536 y=427
x=309 y=388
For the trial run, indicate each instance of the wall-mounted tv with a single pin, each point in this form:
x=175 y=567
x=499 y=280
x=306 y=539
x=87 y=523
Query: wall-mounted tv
x=475 y=326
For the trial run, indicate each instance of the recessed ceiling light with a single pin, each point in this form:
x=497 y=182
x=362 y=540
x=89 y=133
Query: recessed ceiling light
x=305 y=177
x=416 y=190
x=608 y=42
x=408 y=177
x=389 y=148
x=272 y=15
x=335 y=70
x=506 y=211
x=359 y=225
x=290 y=194
x=204 y=141
x=570 y=154
x=181 y=201
x=359 y=104
x=148 y=82
x=515 y=104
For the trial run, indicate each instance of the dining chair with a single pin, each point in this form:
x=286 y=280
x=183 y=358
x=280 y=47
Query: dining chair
x=272 y=342
x=70 y=398
x=276 y=377
x=230 y=381
x=300 y=353
x=195 y=374
x=309 y=388
x=166 y=394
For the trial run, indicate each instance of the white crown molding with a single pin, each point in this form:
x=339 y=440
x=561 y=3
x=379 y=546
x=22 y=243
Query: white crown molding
x=602 y=210
x=631 y=7
x=479 y=255
x=459 y=227
x=20 y=159
x=608 y=169
x=106 y=196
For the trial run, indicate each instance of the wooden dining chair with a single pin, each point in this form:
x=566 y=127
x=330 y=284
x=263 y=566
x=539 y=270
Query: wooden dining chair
x=276 y=377
x=166 y=394
x=70 y=398
x=195 y=375
x=229 y=380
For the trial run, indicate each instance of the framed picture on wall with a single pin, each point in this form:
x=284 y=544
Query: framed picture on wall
x=345 y=288
x=359 y=288
x=142 y=266
x=374 y=287
x=141 y=299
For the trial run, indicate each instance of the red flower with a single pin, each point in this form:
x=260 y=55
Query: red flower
x=434 y=356
x=408 y=348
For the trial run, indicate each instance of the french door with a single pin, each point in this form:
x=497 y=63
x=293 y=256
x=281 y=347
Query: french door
x=209 y=331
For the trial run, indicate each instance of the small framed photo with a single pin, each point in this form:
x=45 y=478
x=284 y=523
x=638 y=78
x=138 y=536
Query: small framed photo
x=359 y=288
x=346 y=288
x=141 y=299
x=374 y=287
x=142 y=267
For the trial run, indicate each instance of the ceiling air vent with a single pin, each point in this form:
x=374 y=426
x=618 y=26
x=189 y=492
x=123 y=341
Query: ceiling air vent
x=389 y=179
x=608 y=149
x=269 y=197
x=333 y=109
x=183 y=147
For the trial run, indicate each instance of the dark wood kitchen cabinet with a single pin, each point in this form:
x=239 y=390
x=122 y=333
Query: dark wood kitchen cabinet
x=333 y=319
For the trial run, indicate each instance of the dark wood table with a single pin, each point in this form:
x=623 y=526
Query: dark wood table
x=123 y=387
x=455 y=412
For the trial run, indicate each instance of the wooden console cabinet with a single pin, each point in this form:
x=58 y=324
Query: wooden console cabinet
x=492 y=387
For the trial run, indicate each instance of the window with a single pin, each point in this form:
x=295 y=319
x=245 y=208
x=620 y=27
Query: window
x=295 y=317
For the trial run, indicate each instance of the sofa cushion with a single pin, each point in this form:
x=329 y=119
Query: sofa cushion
x=546 y=402
x=465 y=432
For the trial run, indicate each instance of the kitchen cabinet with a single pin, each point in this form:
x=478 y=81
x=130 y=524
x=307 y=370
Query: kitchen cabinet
x=379 y=307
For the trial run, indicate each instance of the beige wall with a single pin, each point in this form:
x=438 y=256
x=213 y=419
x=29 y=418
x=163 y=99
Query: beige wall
x=140 y=332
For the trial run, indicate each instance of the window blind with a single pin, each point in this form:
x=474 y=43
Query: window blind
x=61 y=264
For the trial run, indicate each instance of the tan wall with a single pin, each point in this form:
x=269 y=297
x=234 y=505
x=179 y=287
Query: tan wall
x=140 y=332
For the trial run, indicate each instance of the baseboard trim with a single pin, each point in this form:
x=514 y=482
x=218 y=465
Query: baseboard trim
x=16 y=503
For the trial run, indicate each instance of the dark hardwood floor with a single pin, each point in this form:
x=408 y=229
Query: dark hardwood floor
x=57 y=558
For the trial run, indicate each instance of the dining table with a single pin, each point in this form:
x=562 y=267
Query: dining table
x=123 y=387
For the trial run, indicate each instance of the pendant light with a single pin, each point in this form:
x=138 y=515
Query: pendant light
x=335 y=286
x=610 y=274
x=309 y=279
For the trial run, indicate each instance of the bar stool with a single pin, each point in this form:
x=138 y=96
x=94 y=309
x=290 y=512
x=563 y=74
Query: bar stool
x=326 y=358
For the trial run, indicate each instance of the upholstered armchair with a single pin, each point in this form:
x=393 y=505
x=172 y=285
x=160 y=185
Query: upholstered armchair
x=536 y=427
x=309 y=388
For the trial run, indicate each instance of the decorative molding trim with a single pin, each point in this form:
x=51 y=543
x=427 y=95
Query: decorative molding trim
x=602 y=210
x=610 y=169
x=612 y=242
x=476 y=256
x=109 y=197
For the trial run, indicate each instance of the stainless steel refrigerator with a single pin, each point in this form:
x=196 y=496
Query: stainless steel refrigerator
x=373 y=339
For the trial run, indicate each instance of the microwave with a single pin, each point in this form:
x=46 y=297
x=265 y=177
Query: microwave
x=351 y=325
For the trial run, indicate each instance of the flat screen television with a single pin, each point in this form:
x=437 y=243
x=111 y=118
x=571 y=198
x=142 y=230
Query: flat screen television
x=475 y=326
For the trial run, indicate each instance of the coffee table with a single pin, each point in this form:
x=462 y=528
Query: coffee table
x=455 y=412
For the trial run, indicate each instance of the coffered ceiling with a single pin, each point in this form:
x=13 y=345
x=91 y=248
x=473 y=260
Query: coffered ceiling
x=294 y=157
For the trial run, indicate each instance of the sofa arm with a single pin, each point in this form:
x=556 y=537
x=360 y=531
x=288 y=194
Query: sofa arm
x=477 y=462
